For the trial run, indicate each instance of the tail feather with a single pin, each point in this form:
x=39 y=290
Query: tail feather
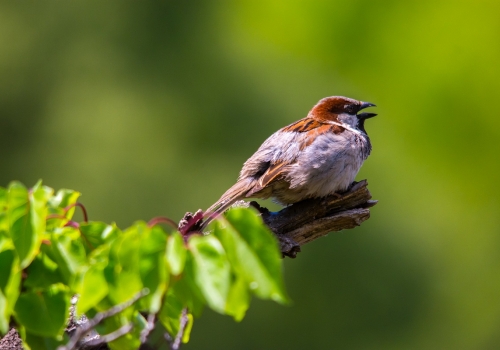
x=236 y=192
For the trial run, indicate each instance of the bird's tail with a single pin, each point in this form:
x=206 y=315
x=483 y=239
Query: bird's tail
x=236 y=192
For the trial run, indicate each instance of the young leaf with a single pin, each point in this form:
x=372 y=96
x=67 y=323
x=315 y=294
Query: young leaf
x=44 y=312
x=27 y=212
x=187 y=291
x=253 y=252
x=42 y=272
x=171 y=313
x=68 y=251
x=176 y=253
x=238 y=299
x=189 y=327
x=10 y=280
x=4 y=314
x=36 y=342
x=63 y=199
x=153 y=267
x=122 y=272
x=4 y=226
x=57 y=205
x=131 y=340
x=90 y=283
x=212 y=271
x=96 y=233
x=92 y=288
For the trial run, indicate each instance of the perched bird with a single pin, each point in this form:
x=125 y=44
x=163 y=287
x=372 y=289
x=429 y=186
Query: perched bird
x=313 y=157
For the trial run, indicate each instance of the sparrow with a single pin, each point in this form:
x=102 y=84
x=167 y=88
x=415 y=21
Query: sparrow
x=316 y=156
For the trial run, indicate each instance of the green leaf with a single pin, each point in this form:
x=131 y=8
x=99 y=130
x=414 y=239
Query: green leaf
x=253 y=252
x=238 y=299
x=4 y=225
x=90 y=283
x=63 y=199
x=68 y=251
x=10 y=280
x=4 y=314
x=131 y=340
x=212 y=271
x=187 y=290
x=92 y=288
x=171 y=313
x=44 y=312
x=7 y=260
x=27 y=212
x=176 y=253
x=57 y=205
x=122 y=272
x=36 y=342
x=189 y=327
x=153 y=267
x=96 y=233
x=42 y=272
x=5 y=241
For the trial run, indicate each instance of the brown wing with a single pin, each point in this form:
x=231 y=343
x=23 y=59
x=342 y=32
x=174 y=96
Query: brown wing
x=314 y=127
x=303 y=125
x=273 y=173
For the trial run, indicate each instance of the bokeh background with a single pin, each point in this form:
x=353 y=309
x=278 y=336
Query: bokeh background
x=150 y=108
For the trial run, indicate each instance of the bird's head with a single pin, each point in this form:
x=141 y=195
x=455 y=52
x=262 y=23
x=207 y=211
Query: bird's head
x=342 y=110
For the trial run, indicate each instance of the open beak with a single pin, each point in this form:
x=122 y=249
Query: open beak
x=366 y=115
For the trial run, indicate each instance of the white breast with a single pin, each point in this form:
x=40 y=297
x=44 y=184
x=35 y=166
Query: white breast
x=329 y=164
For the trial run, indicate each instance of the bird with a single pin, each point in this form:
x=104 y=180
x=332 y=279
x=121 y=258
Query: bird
x=314 y=157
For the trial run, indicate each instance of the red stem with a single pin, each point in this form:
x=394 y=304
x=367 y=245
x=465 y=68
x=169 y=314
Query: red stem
x=81 y=206
x=162 y=220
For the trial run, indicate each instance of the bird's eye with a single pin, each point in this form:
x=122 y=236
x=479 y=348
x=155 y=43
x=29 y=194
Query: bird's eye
x=351 y=109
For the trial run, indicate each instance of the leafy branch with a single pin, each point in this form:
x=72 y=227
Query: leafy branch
x=46 y=258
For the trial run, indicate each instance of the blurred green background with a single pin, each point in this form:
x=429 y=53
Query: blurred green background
x=150 y=108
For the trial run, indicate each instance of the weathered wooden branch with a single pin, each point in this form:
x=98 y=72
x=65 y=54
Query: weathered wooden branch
x=311 y=219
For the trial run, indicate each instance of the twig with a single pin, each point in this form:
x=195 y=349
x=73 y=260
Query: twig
x=149 y=327
x=111 y=336
x=175 y=344
x=182 y=327
x=99 y=317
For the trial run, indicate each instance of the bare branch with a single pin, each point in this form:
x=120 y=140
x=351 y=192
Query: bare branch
x=311 y=219
x=178 y=338
x=149 y=327
x=104 y=339
x=99 y=317
x=175 y=344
